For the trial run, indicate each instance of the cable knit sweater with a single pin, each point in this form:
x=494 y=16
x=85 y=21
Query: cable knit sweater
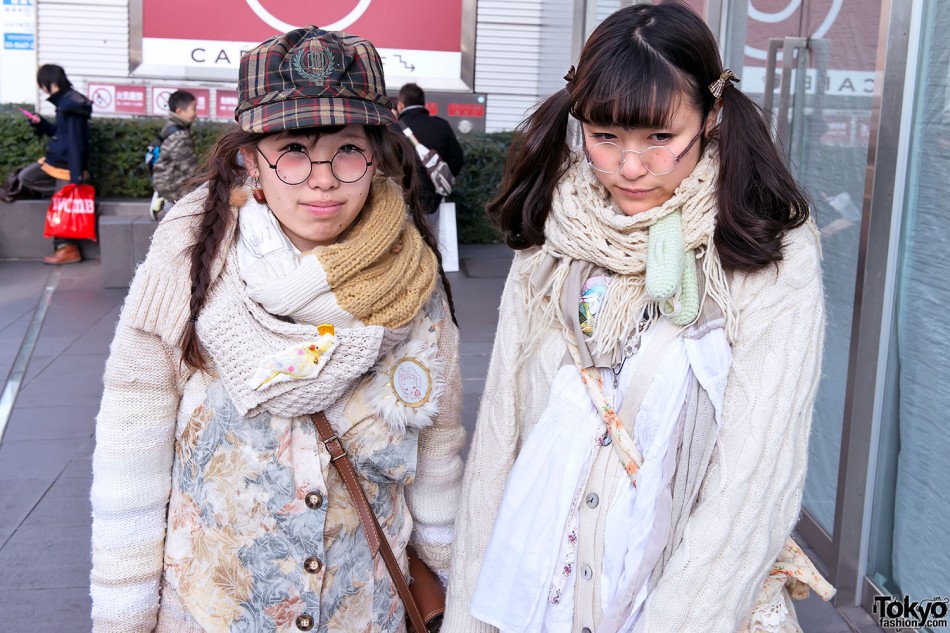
x=151 y=399
x=750 y=498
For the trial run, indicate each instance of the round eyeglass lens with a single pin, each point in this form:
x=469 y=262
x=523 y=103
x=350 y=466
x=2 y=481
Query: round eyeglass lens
x=659 y=161
x=349 y=165
x=293 y=167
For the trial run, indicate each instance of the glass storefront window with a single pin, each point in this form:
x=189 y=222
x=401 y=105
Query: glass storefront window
x=828 y=131
x=910 y=539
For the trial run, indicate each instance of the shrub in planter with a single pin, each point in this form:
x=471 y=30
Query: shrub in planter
x=478 y=182
x=18 y=145
x=116 y=149
x=117 y=156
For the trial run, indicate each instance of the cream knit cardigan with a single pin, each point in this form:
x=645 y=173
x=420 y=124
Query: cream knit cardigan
x=750 y=498
x=135 y=429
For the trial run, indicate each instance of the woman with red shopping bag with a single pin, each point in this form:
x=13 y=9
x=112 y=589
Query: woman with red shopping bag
x=65 y=161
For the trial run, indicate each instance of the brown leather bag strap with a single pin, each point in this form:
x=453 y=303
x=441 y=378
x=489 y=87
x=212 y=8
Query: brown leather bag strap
x=339 y=459
x=374 y=533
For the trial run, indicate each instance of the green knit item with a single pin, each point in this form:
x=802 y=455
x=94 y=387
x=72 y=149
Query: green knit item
x=689 y=294
x=671 y=271
x=665 y=251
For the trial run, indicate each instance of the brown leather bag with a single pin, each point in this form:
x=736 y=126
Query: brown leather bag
x=423 y=597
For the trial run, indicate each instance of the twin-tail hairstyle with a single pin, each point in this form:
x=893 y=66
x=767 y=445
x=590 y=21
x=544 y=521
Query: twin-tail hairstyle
x=392 y=155
x=636 y=68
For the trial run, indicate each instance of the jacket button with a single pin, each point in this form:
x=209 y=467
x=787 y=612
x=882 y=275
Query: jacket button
x=313 y=565
x=592 y=500
x=605 y=440
x=313 y=499
x=304 y=622
x=587 y=572
x=586 y=630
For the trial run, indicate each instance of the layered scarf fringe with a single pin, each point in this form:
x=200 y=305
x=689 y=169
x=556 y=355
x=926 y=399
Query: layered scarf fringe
x=585 y=228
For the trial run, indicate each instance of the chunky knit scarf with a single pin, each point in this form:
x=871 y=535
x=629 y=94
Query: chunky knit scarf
x=380 y=273
x=585 y=230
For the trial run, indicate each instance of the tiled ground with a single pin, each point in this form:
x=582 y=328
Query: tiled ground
x=45 y=455
x=46 y=451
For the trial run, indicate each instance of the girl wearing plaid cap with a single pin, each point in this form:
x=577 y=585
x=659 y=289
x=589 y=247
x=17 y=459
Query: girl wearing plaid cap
x=640 y=450
x=300 y=279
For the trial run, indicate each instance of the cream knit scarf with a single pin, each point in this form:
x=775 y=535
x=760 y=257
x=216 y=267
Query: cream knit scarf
x=585 y=230
x=380 y=273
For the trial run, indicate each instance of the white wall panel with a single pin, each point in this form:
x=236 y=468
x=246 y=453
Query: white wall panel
x=507 y=111
x=522 y=50
x=89 y=38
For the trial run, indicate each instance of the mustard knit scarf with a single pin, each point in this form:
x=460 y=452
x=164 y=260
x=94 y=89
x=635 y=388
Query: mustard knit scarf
x=382 y=272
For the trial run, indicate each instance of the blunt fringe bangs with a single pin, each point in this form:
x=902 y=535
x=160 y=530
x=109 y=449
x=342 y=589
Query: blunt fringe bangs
x=609 y=94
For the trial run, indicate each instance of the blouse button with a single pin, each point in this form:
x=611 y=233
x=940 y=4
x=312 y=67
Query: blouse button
x=586 y=630
x=592 y=500
x=304 y=622
x=313 y=565
x=605 y=440
x=587 y=572
x=313 y=499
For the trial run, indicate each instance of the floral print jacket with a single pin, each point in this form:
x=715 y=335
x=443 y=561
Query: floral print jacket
x=262 y=534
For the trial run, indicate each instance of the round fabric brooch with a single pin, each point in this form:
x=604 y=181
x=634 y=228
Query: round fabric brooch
x=411 y=382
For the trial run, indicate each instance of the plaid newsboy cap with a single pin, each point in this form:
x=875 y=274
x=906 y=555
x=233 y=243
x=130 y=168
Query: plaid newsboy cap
x=310 y=77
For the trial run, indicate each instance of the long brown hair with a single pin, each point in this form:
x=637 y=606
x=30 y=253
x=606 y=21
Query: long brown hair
x=223 y=173
x=634 y=71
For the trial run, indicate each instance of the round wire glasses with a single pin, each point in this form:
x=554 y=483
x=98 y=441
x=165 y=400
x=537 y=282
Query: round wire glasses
x=294 y=166
x=609 y=158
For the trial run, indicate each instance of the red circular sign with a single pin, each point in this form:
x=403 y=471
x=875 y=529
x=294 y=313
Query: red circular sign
x=101 y=98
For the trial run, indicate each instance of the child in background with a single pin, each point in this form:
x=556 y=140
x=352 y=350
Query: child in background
x=177 y=160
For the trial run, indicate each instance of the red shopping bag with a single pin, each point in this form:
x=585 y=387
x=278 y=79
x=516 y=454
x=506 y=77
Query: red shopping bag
x=72 y=213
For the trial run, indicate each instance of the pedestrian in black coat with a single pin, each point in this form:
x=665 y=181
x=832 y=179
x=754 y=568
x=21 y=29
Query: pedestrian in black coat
x=433 y=132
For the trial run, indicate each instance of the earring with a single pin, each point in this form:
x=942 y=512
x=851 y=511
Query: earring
x=256 y=191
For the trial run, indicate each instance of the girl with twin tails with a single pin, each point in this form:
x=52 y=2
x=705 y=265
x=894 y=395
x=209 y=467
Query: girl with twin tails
x=640 y=450
x=298 y=280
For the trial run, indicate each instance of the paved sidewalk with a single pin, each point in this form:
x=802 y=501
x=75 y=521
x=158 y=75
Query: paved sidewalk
x=46 y=451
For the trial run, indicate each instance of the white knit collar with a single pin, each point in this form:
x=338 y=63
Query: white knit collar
x=278 y=277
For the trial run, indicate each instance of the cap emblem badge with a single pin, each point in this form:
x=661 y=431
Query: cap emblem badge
x=315 y=65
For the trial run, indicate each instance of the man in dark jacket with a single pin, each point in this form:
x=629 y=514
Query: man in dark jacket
x=67 y=155
x=434 y=133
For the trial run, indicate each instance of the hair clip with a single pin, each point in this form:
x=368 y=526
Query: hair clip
x=727 y=78
x=569 y=77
